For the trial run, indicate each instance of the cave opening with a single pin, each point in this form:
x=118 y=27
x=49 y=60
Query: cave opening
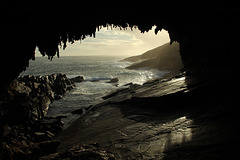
x=202 y=99
x=114 y=59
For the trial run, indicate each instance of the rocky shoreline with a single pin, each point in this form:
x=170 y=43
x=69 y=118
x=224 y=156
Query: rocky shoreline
x=183 y=117
x=26 y=132
x=161 y=119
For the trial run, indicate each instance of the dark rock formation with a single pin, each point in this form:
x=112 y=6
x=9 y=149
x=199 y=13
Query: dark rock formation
x=58 y=84
x=77 y=79
x=25 y=103
x=92 y=151
x=165 y=57
x=24 y=127
x=207 y=34
x=113 y=80
x=184 y=118
x=27 y=141
x=28 y=151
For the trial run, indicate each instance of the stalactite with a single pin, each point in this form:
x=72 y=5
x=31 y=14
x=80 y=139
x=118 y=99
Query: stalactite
x=48 y=35
x=61 y=38
x=158 y=28
x=57 y=52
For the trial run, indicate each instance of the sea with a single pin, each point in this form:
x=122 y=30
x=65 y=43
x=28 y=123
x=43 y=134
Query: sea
x=96 y=70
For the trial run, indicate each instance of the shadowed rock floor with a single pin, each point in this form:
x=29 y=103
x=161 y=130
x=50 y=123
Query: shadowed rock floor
x=129 y=135
x=169 y=119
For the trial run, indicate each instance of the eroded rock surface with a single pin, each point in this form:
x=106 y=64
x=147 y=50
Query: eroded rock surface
x=162 y=119
x=91 y=151
x=25 y=131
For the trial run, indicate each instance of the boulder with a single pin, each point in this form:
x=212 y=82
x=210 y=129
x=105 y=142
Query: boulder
x=77 y=79
x=61 y=84
x=128 y=84
x=59 y=87
x=113 y=80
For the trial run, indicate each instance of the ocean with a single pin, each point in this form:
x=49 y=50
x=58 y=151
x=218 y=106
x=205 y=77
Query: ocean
x=96 y=70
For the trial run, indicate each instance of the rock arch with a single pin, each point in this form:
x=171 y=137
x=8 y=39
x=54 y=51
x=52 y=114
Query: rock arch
x=208 y=34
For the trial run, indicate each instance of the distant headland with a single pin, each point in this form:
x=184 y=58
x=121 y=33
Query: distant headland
x=165 y=57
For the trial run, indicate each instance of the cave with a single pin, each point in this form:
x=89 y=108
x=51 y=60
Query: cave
x=208 y=35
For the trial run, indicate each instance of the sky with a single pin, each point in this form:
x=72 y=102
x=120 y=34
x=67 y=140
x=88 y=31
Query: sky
x=116 y=42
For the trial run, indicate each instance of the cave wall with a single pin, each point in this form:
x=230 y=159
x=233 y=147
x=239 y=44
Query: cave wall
x=212 y=48
x=207 y=33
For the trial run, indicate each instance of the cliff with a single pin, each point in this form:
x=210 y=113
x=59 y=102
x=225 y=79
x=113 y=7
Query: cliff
x=165 y=57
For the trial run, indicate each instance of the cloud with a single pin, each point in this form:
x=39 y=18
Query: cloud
x=113 y=38
x=116 y=42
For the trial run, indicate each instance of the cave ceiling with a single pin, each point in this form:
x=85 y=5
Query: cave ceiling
x=49 y=26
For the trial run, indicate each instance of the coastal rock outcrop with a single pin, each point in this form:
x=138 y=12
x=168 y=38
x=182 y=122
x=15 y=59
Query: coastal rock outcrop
x=28 y=98
x=24 y=128
x=58 y=84
x=165 y=57
x=77 y=79
x=91 y=151
x=113 y=80
x=42 y=90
